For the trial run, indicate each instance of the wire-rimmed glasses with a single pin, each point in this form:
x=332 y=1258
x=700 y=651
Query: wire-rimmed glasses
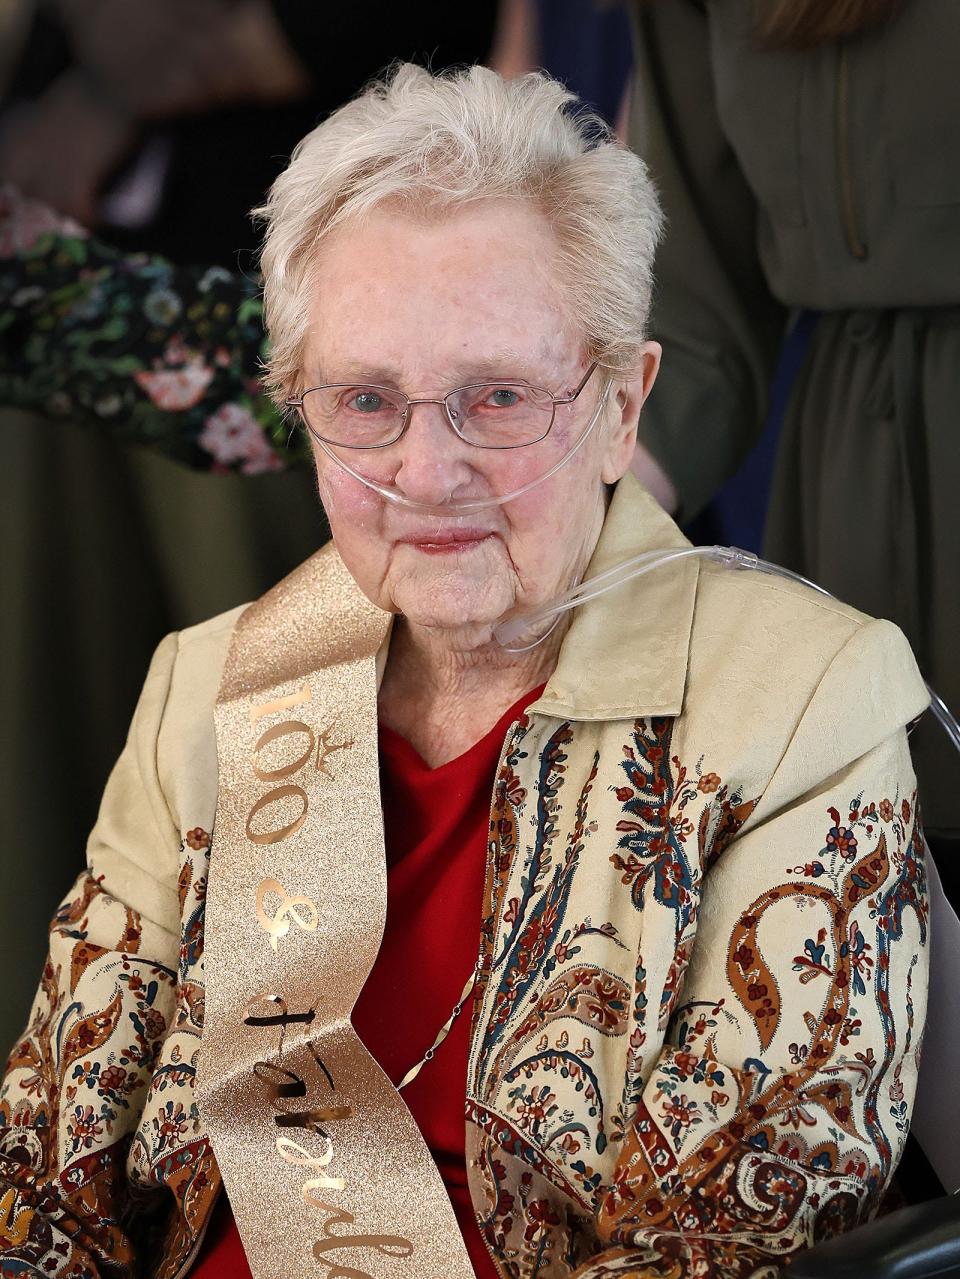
x=498 y=414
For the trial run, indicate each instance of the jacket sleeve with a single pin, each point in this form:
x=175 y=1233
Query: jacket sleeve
x=720 y=327
x=75 y=1083
x=779 y=1106
x=132 y=345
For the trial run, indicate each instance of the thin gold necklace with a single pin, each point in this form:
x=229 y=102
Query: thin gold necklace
x=444 y=1030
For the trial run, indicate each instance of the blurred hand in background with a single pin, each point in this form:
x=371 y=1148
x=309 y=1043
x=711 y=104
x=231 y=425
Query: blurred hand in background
x=135 y=65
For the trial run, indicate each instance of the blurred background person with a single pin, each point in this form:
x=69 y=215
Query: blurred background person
x=808 y=160
x=584 y=43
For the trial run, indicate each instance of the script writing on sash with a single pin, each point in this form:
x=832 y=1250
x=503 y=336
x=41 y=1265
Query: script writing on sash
x=281 y=756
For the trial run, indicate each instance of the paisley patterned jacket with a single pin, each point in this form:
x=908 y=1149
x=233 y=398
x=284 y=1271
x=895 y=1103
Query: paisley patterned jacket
x=703 y=948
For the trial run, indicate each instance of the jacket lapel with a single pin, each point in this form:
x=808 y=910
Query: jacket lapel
x=625 y=653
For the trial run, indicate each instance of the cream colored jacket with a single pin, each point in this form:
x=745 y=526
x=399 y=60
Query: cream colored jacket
x=703 y=950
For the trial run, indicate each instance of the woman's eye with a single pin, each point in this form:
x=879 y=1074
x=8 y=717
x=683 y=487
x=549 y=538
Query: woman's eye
x=503 y=397
x=366 y=402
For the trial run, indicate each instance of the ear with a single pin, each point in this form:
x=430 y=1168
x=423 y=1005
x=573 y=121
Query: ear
x=628 y=394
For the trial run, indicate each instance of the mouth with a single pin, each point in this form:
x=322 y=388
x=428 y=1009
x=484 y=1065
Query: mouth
x=445 y=541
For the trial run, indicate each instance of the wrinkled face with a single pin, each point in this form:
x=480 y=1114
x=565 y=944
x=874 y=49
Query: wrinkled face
x=425 y=307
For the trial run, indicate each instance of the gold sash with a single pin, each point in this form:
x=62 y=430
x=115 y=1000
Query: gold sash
x=325 y=1168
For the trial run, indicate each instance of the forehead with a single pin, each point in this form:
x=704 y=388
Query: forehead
x=427 y=297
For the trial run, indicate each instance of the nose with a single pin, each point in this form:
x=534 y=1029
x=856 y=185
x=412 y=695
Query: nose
x=433 y=463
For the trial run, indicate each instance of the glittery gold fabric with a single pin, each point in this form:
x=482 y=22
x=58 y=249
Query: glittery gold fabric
x=325 y=1167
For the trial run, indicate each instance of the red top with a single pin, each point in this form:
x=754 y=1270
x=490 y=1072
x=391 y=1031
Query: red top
x=436 y=822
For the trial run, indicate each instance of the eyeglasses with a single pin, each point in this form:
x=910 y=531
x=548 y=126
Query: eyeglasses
x=489 y=415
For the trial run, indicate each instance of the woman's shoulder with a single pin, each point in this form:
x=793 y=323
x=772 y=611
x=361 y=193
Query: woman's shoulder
x=196 y=655
x=758 y=596
x=775 y=618
x=176 y=711
x=786 y=687
x=771 y=647
x=741 y=638
x=200 y=651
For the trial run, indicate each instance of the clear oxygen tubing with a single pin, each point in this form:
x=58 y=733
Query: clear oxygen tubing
x=454 y=506
x=510 y=632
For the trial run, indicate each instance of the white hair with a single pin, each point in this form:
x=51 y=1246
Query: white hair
x=428 y=143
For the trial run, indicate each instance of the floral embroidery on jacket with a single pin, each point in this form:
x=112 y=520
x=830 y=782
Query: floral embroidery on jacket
x=768 y=1157
x=96 y=1097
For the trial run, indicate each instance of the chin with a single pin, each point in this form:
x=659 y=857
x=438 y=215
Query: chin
x=453 y=620
x=452 y=610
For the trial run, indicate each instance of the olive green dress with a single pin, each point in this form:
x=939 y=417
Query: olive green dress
x=828 y=180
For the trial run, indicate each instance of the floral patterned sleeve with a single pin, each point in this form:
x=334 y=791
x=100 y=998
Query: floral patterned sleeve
x=97 y=1094
x=777 y=1109
x=151 y=352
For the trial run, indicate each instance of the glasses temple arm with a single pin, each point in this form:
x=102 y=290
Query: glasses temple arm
x=568 y=399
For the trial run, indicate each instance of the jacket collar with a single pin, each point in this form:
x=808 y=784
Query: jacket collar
x=625 y=654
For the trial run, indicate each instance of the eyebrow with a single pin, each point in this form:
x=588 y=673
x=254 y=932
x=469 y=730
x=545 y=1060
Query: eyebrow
x=502 y=365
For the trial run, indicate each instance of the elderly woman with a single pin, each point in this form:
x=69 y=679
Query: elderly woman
x=655 y=1007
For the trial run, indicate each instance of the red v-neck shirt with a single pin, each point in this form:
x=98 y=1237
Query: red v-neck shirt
x=436 y=824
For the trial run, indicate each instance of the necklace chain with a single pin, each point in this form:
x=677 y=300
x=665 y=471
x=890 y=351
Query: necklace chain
x=442 y=1033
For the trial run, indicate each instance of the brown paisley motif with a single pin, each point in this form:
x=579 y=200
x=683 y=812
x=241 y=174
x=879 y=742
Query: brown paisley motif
x=15 y=1221
x=836 y=1098
x=596 y=999
x=867 y=875
x=628 y=1263
x=24 y=1053
x=72 y=912
x=129 y=940
x=91 y=1031
x=714 y=835
x=193 y=1178
x=191 y=1005
x=184 y=881
x=501 y=849
x=748 y=973
x=84 y=953
x=756 y=988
